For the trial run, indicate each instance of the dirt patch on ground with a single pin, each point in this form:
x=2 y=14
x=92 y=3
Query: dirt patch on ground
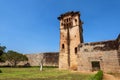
x=109 y=77
x=117 y=75
x=86 y=72
x=106 y=76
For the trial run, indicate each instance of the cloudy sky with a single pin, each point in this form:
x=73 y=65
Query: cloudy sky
x=31 y=26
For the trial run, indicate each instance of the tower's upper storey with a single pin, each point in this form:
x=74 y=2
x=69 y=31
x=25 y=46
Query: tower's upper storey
x=72 y=13
x=69 y=19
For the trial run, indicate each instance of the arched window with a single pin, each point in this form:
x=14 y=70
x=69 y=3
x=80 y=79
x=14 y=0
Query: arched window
x=62 y=24
x=67 y=20
x=75 y=50
x=75 y=20
x=63 y=46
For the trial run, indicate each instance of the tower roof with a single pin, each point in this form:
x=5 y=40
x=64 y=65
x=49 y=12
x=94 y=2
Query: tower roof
x=68 y=13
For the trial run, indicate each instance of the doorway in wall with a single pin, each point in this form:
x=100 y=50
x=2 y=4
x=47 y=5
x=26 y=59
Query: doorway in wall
x=95 y=65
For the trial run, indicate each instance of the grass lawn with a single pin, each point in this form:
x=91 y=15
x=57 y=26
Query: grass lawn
x=47 y=74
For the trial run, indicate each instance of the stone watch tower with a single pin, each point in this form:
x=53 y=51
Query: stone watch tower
x=70 y=37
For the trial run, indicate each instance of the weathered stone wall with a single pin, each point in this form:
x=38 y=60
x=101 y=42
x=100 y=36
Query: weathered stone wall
x=104 y=52
x=118 y=40
x=34 y=59
x=49 y=59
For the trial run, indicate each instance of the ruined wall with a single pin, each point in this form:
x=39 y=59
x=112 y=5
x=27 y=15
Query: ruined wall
x=49 y=59
x=34 y=59
x=104 y=52
x=118 y=40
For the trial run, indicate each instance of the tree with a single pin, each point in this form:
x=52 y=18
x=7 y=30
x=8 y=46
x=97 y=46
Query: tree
x=41 y=64
x=14 y=57
x=40 y=59
x=2 y=50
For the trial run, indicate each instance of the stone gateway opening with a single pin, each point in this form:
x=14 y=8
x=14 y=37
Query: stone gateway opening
x=95 y=65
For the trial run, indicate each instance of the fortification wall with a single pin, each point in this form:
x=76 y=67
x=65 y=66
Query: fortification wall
x=49 y=59
x=106 y=53
x=118 y=40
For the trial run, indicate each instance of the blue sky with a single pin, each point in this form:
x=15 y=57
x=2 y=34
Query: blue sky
x=31 y=26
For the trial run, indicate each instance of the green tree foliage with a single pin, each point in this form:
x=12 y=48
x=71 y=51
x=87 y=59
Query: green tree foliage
x=14 y=57
x=2 y=50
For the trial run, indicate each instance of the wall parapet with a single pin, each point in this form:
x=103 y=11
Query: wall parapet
x=102 y=46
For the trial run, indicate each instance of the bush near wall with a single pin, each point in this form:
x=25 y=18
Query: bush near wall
x=98 y=76
x=0 y=71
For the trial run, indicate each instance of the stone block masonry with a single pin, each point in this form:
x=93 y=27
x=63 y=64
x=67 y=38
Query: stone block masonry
x=103 y=54
x=49 y=58
x=70 y=38
x=76 y=55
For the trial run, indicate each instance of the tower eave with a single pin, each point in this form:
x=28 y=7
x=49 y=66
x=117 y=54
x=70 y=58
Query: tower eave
x=68 y=13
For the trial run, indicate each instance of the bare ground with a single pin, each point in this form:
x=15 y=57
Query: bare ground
x=110 y=77
x=105 y=75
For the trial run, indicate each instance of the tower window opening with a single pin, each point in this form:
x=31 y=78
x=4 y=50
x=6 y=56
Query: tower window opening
x=75 y=50
x=75 y=20
x=62 y=24
x=67 y=25
x=63 y=46
x=67 y=20
x=64 y=20
x=70 y=24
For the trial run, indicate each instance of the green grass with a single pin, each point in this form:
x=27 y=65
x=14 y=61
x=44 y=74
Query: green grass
x=47 y=74
x=98 y=76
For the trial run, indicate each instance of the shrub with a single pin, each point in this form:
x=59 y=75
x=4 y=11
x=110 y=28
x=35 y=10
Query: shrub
x=0 y=71
x=98 y=76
